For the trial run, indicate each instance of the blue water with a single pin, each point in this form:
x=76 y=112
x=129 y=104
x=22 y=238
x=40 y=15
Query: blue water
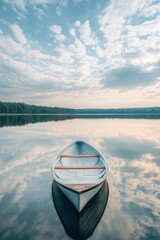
x=132 y=151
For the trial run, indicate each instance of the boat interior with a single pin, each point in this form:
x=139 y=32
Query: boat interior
x=82 y=162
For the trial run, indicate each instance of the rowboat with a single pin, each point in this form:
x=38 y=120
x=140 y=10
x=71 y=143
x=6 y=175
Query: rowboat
x=79 y=171
x=80 y=225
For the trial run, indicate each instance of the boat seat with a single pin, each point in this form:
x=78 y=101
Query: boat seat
x=79 y=156
x=78 y=167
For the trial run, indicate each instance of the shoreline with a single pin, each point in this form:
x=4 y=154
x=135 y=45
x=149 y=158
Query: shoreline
x=74 y=114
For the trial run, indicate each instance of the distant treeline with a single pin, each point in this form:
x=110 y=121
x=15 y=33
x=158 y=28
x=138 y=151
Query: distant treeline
x=23 y=108
x=148 y=110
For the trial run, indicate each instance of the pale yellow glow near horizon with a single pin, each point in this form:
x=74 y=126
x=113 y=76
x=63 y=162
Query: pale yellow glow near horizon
x=147 y=97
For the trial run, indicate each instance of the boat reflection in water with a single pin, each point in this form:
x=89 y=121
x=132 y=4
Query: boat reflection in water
x=80 y=225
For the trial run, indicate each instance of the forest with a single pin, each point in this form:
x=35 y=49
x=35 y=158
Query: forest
x=146 y=110
x=23 y=108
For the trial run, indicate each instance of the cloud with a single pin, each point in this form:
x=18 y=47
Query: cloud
x=126 y=32
x=34 y=73
x=60 y=37
x=39 y=12
x=129 y=77
x=78 y=48
x=151 y=10
x=27 y=71
x=116 y=50
x=22 y=8
x=18 y=33
x=20 y=4
x=86 y=34
x=72 y=32
x=76 y=2
x=77 y=23
x=58 y=11
x=23 y=3
x=99 y=51
x=147 y=28
x=57 y=31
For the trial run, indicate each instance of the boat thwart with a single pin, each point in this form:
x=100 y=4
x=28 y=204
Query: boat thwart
x=79 y=170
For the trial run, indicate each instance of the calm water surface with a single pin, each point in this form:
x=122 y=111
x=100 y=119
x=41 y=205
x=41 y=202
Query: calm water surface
x=132 y=150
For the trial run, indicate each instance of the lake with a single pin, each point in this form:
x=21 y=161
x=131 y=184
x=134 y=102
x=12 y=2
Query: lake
x=27 y=151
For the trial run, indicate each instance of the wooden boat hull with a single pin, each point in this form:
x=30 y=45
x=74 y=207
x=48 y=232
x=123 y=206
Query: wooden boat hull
x=80 y=225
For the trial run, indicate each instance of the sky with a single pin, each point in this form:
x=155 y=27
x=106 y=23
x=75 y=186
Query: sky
x=80 y=53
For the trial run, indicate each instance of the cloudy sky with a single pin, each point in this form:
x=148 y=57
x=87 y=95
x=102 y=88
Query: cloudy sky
x=80 y=53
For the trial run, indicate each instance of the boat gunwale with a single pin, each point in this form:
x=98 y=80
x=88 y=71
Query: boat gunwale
x=58 y=157
x=82 y=191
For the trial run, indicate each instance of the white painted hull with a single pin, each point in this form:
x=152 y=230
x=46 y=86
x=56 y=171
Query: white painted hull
x=80 y=200
x=79 y=170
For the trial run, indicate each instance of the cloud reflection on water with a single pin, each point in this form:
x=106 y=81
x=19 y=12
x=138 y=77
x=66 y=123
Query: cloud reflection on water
x=132 y=148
